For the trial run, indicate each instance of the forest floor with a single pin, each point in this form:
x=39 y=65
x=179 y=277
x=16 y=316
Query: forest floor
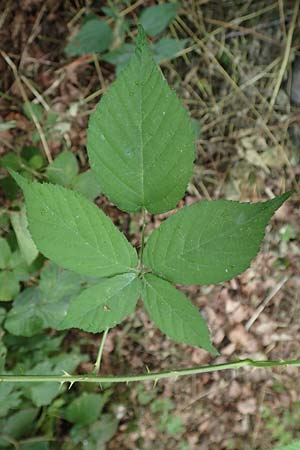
x=236 y=78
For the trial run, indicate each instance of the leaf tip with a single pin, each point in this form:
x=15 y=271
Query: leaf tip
x=141 y=37
x=278 y=201
x=19 y=179
x=288 y=194
x=213 y=351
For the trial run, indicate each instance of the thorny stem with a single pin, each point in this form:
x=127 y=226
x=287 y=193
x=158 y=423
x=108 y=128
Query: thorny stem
x=67 y=378
x=100 y=351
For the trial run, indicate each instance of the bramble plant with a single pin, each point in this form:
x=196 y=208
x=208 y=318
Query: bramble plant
x=141 y=150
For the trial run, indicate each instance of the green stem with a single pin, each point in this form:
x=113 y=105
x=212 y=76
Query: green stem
x=100 y=351
x=142 y=237
x=66 y=378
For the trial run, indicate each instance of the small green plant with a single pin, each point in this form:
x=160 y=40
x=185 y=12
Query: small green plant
x=168 y=422
x=284 y=426
x=64 y=170
x=292 y=446
x=141 y=150
x=29 y=414
x=95 y=36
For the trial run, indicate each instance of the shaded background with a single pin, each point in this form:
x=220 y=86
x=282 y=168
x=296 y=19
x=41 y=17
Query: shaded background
x=235 y=65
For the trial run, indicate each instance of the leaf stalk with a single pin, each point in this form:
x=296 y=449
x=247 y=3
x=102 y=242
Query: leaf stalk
x=142 y=238
x=100 y=351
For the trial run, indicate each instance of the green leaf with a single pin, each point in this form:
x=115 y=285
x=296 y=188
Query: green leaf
x=140 y=139
x=52 y=118
x=9 y=286
x=27 y=317
x=4 y=218
x=94 y=37
x=45 y=305
x=209 y=241
x=156 y=18
x=8 y=398
x=74 y=232
x=41 y=393
x=29 y=107
x=20 y=424
x=95 y=435
x=120 y=56
x=292 y=446
x=9 y=187
x=26 y=244
x=20 y=268
x=167 y=48
x=33 y=157
x=2 y=315
x=63 y=169
x=5 y=253
x=102 y=431
x=11 y=161
x=103 y=305
x=87 y=185
x=85 y=409
x=174 y=314
x=171 y=425
x=35 y=446
x=3 y=353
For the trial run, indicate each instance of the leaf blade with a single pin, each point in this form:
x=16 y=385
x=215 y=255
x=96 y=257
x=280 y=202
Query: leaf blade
x=173 y=313
x=156 y=18
x=26 y=244
x=73 y=232
x=94 y=36
x=103 y=305
x=139 y=136
x=45 y=305
x=210 y=241
x=9 y=285
x=86 y=184
x=292 y=446
x=5 y=253
x=63 y=169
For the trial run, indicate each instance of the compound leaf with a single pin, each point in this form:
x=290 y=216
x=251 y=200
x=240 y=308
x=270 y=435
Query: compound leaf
x=209 y=241
x=73 y=232
x=140 y=139
x=103 y=305
x=174 y=314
